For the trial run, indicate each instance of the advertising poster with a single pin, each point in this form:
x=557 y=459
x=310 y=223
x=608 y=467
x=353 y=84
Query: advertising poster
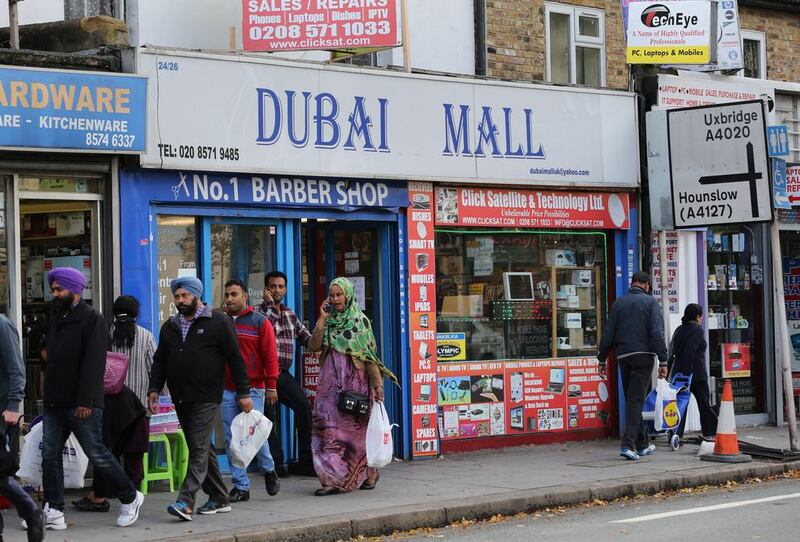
x=735 y=360
x=791 y=288
x=310 y=374
x=673 y=270
x=531 y=208
x=793 y=184
x=485 y=399
x=300 y=25
x=669 y=32
x=422 y=312
x=451 y=346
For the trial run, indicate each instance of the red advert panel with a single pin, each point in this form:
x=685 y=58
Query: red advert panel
x=297 y=25
x=486 y=399
x=422 y=313
x=500 y=207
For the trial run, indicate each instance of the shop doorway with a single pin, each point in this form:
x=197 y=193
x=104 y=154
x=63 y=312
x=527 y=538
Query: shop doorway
x=365 y=253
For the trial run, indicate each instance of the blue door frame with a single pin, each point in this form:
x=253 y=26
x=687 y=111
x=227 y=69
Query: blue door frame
x=385 y=290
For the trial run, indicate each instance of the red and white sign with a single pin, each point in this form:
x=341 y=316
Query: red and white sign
x=422 y=311
x=531 y=208
x=673 y=270
x=495 y=398
x=300 y=25
x=310 y=375
x=793 y=184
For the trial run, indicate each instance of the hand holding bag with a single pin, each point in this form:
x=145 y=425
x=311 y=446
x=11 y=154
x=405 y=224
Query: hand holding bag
x=249 y=432
x=116 y=372
x=379 y=437
x=73 y=458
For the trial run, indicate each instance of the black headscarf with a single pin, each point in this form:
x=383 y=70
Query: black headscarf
x=691 y=312
x=126 y=309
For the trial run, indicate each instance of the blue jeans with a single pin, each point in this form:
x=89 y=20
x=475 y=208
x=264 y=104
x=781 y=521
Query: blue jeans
x=229 y=411
x=59 y=422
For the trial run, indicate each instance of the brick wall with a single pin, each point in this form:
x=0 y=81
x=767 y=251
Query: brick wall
x=516 y=41
x=783 y=40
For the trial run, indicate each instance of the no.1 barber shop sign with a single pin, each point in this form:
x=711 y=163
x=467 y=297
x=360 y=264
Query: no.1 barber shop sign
x=718 y=165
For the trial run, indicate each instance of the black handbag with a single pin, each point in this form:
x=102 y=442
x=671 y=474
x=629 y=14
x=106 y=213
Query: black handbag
x=354 y=403
x=9 y=449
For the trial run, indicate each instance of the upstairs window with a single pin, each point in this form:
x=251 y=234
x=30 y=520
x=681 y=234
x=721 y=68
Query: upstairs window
x=754 y=53
x=575 y=45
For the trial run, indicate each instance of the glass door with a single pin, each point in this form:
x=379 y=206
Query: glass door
x=243 y=251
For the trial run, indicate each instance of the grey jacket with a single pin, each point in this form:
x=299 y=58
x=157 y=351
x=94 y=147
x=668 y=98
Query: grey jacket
x=12 y=368
x=635 y=326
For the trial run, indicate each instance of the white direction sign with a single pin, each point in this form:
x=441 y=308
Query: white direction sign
x=718 y=164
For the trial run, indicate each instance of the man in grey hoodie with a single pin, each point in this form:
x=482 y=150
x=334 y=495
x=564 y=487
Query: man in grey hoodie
x=12 y=390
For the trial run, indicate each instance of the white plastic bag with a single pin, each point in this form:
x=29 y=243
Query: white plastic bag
x=379 y=437
x=666 y=414
x=30 y=464
x=249 y=432
x=693 y=415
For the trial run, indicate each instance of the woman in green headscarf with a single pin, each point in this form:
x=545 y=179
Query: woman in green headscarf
x=350 y=362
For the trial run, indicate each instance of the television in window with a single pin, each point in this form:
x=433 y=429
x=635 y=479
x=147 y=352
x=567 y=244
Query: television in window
x=518 y=286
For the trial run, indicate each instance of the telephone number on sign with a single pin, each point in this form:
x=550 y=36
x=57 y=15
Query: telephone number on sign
x=116 y=141
x=201 y=152
x=355 y=28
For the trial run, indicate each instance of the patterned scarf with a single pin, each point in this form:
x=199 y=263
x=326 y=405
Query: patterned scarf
x=350 y=332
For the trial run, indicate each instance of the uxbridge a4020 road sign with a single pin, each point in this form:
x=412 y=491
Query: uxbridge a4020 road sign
x=718 y=164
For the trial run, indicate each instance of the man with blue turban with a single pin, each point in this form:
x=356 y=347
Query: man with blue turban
x=73 y=397
x=193 y=348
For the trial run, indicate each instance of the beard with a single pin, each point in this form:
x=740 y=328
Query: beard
x=187 y=309
x=63 y=304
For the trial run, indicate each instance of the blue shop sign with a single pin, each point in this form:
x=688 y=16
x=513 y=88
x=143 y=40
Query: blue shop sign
x=72 y=110
x=265 y=190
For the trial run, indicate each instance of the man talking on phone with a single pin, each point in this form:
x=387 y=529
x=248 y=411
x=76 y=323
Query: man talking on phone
x=288 y=329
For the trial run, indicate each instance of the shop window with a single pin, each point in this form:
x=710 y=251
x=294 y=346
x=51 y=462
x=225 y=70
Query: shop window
x=754 y=54
x=519 y=295
x=243 y=252
x=575 y=43
x=735 y=316
x=787 y=108
x=177 y=257
x=60 y=184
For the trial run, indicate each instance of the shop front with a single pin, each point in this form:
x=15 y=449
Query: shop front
x=57 y=184
x=324 y=167
x=519 y=286
x=726 y=269
x=220 y=227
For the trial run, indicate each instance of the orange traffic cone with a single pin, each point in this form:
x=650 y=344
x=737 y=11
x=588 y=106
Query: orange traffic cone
x=726 y=446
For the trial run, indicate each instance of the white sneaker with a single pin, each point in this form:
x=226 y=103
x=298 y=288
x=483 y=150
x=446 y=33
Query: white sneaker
x=129 y=513
x=54 y=519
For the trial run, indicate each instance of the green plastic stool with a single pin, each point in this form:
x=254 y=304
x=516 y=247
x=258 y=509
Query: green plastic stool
x=180 y=456
x=154 y=472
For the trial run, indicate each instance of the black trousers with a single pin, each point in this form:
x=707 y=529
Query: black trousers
x=636 y=374
x=291 y=395
x=708 y=418
x=197 y=422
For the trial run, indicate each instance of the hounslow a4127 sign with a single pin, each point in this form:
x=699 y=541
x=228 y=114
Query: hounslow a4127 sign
x=718 y=164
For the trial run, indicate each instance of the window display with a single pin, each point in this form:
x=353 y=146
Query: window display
x=735 y=310
x=519 y=295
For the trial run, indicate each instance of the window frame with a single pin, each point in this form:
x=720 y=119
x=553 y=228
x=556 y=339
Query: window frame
x=761 y=38
x=576 y=39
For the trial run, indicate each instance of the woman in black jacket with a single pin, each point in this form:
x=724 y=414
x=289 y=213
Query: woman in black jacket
x=687 y=357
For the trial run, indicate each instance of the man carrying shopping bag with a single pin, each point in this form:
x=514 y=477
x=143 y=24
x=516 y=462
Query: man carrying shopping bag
x=635 y=329
x=73 y=397
x=258 y=347
x=193 y=350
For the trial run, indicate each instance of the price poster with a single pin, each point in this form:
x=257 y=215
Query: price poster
x=310 y=375
x=422 y=313
x=299 y=25
x=486 y=399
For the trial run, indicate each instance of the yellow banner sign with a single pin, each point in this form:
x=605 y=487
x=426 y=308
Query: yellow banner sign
x=669 y=54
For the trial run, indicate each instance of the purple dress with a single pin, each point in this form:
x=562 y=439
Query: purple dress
x=339 y=440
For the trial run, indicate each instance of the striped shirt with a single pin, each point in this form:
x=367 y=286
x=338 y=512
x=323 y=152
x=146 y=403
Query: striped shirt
x=140 y=360
x=288 y=327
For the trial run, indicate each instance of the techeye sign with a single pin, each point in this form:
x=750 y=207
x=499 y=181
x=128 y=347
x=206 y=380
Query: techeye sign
x=283 y=118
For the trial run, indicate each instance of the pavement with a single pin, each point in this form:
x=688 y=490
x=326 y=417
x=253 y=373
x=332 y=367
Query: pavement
x=429 y=493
